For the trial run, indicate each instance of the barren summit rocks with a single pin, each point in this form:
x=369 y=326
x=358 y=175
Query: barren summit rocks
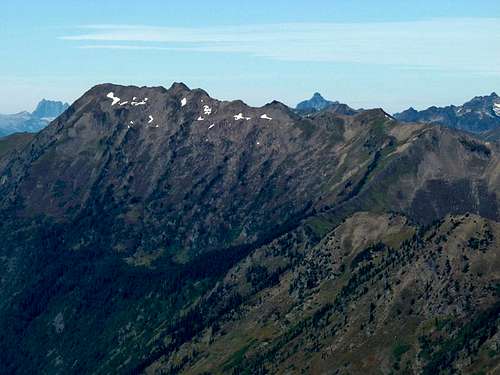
x=167 y=231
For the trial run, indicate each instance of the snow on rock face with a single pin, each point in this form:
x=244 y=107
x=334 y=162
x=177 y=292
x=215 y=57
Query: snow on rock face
x=123 y=103
x=142 y=102
x=240 y=116
x=207 y=110
x=265 y=117
x=150 y=119
x=183 y=102
x=112 y=96
x=496 y=108
x=200 y=118
x=211 y=126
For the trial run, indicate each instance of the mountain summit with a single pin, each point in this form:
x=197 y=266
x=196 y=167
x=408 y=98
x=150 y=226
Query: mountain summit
x=317 y=103
x=153 y=230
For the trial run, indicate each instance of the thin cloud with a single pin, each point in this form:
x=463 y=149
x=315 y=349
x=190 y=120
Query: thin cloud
x=126 y=47
x=459 y=44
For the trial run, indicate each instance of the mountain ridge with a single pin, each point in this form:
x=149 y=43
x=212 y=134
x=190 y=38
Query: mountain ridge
x=479 y=115
x=168 y=226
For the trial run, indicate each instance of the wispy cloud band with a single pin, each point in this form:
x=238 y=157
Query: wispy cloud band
x=460 y=44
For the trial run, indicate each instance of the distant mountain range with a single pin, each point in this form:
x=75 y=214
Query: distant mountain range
x=45 y=112
x=481 y=115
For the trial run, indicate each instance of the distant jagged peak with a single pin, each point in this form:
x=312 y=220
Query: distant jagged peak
x=318 y=96
x=49 y=108
x=316 y=103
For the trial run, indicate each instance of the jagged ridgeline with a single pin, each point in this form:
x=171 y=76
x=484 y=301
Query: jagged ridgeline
x=480 y=115
x=44 y=113
x=163 y=231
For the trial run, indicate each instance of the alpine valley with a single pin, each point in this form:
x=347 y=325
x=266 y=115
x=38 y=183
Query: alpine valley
x=161 y=231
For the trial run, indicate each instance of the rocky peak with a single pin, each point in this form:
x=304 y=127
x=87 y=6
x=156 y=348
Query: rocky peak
x=49 y=109
x=316 y=103
x=178 y=87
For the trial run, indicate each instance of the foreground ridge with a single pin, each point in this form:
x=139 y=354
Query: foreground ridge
x=164 y=231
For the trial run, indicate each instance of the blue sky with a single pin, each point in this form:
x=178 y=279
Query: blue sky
x=391 y=54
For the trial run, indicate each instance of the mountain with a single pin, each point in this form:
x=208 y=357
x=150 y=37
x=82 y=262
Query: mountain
x=153 y=230
x=318 y=103
x=479 y=115
x=45 y=112
x=49 y=109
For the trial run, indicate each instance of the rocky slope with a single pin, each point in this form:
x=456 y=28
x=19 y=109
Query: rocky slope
x=375 y=295
x=45 y=112
x=147 y=228
x=479 y=115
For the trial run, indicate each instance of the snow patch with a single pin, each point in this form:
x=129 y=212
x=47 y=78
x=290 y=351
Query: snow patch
x=143 y=102
x=207 y=110
x=496 y=108
x=200 y=118
x=240 y=116
x=265 y=117
x=183 y=102
x=123 y=103
x=211 y=126
x=150 y=119
x=112 y=96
